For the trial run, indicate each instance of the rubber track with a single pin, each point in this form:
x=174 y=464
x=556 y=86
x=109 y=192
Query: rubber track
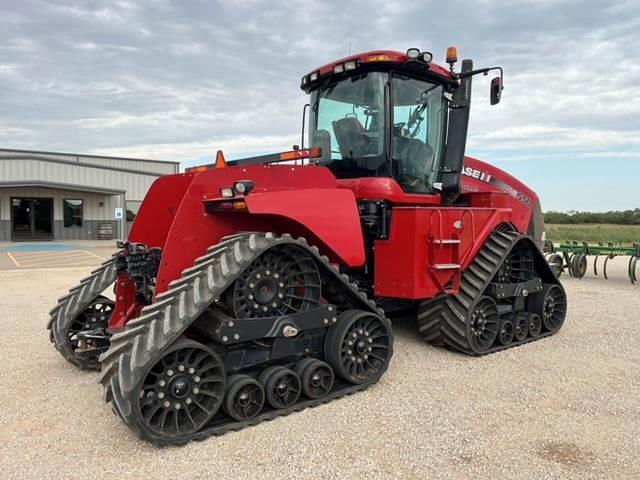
x=428 y=316
x=73 y=303
x=161 y=324
x=456 y=308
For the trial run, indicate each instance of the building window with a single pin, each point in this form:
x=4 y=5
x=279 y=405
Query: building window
x=72 y=212
x=132 y=209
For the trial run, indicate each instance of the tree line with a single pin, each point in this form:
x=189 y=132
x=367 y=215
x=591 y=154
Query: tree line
x=616 y=217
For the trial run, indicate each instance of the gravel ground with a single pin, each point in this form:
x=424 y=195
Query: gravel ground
x=565 y=407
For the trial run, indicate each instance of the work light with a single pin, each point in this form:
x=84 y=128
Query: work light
x=413 y=53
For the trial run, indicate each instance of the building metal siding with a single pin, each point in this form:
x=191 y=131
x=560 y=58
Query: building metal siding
x=136 y=185
x=151 y=166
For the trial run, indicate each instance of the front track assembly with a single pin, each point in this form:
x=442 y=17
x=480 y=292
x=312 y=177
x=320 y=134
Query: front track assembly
x=78 y=322
x=508 y=296
x=261 y=326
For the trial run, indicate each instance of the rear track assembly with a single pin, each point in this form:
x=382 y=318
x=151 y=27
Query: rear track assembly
x=141 y=354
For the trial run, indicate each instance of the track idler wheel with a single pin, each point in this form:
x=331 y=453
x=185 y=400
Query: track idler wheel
x=245 y=398
x=181 y=392
x=359 y=346
x=316 y=377
x=281 y=385
x=505 y=335
x=483 y=324
x=535 y=325
x=551 y=305
x=521 y=329
x=95 y=317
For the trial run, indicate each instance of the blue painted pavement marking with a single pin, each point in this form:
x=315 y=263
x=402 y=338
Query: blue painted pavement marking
x=35 y=247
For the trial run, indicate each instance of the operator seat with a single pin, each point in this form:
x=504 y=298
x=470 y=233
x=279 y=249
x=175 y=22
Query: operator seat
x=351 y=138
x=415 y=161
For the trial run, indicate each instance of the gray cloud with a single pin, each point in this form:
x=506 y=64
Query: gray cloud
x=178 y=79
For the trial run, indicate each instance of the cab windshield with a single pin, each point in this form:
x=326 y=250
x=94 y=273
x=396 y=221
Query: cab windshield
x=351 y=121
x=418 y=133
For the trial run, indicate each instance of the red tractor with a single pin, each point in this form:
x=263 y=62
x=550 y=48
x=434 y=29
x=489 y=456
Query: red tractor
x=254 y=288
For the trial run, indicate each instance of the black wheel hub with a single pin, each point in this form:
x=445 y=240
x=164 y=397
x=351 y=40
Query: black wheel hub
x=315 y=380
x=554 y=308
x=359 y=347
x=282 y=387
x=316 y=377
x=521 y=328
x=362 y=345
x=180 y=386
x=282 y=280
x=266 y=290
x=535 y=325
x=478 y=321
x=549 y=307
x=484 y=324
x=245 y=398
x=183 y=390
x=506 y=332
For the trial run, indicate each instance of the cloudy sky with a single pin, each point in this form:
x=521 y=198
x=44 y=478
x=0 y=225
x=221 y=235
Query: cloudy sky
x=177 y=80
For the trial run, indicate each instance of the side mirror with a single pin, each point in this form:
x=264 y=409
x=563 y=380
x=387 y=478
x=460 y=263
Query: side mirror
x=496 y=90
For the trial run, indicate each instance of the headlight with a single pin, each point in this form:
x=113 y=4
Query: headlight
x=350 y=65
x=243 y=187
x=227 y=192
x=413 y=53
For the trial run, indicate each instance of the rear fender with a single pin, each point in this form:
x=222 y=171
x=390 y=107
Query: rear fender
x=157 y=212
x=150 y=227
x=284 y=200
x=329 y=216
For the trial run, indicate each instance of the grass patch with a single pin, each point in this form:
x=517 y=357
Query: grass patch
x=593 y=233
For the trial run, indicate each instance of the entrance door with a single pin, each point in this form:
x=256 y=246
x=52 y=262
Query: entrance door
x=32 y=218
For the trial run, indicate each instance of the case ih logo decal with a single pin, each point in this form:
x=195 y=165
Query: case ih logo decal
x=477 y=174
x=488 y=178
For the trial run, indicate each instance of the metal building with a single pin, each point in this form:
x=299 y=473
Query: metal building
x=65 y=196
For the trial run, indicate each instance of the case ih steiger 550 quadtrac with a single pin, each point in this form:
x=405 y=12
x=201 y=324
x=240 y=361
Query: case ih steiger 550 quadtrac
x=250 y=289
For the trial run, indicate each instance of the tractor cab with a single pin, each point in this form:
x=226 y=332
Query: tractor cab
x=392 y=114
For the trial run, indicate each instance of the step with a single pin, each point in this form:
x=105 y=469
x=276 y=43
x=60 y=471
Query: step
x=446 y=241
x=446 y=266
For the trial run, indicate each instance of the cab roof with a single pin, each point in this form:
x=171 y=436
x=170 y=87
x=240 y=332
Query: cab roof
x=379 y=60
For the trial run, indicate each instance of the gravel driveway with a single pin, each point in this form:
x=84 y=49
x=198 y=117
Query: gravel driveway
x=564 y=407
